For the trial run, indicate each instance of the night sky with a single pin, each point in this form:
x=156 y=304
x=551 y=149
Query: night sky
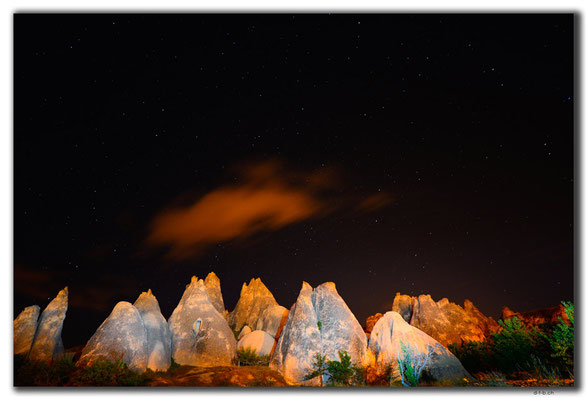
x=412 y=153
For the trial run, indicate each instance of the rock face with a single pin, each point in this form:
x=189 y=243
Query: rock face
x=122 y=336
x=244 y=331
x=254 y=299
x=157 y=331
x=271 y=319
x=212 y=283
x=445 y=321
x=549 y=316
x=386 y=341
x=200 y=336
x=25 y=326
x=260 y=341
x=319 y=322
x=47 y=344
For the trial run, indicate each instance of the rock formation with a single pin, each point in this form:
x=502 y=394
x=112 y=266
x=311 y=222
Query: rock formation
x=212 y=283
x=25 y=326
x=122 y=336
x=271 y=318
x=391 y=331
x=319 y=322
x=254 y=298
x=445 y=321
x=157 y=330
x=534 y=318
x=200 y=335
x=47 y=343
x=260 y=341
x=244 y=331
x=370 y=323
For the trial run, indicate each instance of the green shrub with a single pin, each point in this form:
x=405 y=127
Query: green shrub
x=513 y=345
x=475 y=356
x=411 y=364
x=249 y=356
x=38 y=373
x=340 y=373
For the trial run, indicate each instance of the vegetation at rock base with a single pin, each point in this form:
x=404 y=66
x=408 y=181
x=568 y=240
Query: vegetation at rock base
x=337 y=373
x=411 y=364
x=542 y=354
x=249 y=356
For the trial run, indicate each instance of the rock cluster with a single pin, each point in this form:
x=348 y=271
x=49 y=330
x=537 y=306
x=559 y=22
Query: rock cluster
x=318 y=322
x=254 y=299
x=445 y=321
x=200 y=335
x=392 y=332
x=549 y=316
x=370 y=323
x=136 y=334
x=47 y=344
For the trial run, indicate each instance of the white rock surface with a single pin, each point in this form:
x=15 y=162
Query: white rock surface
x=157 y=330
x=392 y=330
x=25 y=326
x=212 y=283
x=47 y=344
x=122 y=336
x=200 y=336
x=302 y=337
x=270 y=319
x=260 y=341
x=254 y=298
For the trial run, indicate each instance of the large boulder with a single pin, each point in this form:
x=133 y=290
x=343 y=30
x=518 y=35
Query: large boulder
x=157 y=330
x=318 y=322
x=254 y=298
x=122 y=336
x=47 y=344
x=271 y=318
x=392 y=331
x=260 y=341
x=212 y=283
x=200 y=336
x=445 y=321
x=25 y=326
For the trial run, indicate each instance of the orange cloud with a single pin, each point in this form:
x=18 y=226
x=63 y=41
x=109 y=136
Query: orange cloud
x=268 y=199
x=374 y=202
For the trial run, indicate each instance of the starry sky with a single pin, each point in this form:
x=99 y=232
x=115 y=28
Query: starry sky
x=387 y=153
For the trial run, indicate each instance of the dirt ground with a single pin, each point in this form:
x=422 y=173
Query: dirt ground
x=218 y=376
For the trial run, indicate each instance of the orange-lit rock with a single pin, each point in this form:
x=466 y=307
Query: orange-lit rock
x=371 y=321
x=445 y=321
x=538 y=317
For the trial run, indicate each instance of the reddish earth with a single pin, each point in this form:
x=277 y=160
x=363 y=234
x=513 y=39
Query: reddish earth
x=218 y=376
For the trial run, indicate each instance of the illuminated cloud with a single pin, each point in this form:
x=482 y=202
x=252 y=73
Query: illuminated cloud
x=268 y=198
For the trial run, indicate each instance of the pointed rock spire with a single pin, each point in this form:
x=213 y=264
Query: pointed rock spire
x=200 y=335
x=318 y=322
x=254 y=298
x=25 y=326
x=212 y=283
x=47 y=344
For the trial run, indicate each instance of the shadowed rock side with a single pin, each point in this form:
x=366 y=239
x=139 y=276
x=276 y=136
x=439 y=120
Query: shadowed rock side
x=302 y=337
x=385 y=345
x=270 y=319
x=47 y=343
x=260 y=341
x=122 y=336
x=538 y=317
x=157 y=330
x=445 y=321
x=25 y=326
x=200 y=336
x=254 y=298
x=212 y=283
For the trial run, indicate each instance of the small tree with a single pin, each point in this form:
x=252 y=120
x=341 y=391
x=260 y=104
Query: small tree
x=320 y=367
x=340 y=372
x=411 y=364
x=563 y=337
x=513 y=345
